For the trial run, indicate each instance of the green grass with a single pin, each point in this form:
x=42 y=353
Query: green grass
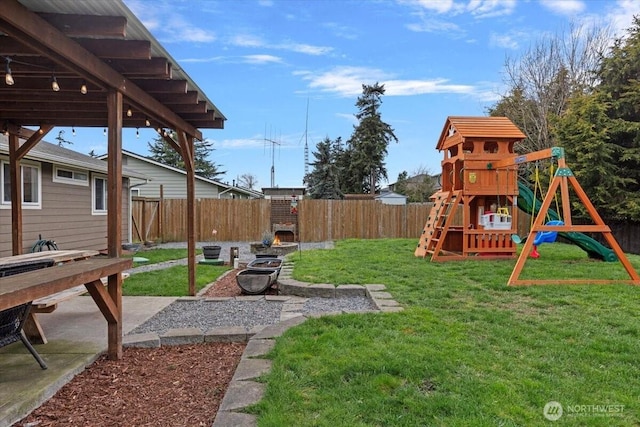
x=172 y=281
x=467 y=350
x=159 y=255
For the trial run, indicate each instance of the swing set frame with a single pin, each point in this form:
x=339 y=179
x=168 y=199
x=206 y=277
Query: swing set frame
x=562 y=178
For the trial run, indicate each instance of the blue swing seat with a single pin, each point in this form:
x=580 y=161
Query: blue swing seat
x=547 y=236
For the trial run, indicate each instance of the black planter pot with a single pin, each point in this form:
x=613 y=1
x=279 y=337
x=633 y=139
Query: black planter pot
x=211 y=251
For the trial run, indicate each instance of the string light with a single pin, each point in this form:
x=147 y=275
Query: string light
x=147 y=122
x=83 y=88
x=104 y=132
x=129 y=112
x=73 y=131
x=8 y=77
x=138 y=133
x=54 y=84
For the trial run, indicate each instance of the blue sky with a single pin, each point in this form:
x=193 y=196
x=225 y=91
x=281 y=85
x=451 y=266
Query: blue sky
x=260 y=62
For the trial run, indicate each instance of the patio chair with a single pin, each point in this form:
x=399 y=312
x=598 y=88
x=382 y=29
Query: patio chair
x=12 y=319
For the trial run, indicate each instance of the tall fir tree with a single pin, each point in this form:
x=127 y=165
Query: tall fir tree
x=363 y=159
x=322 y=181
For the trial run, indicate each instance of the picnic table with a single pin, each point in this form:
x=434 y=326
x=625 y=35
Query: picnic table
x=72 y=269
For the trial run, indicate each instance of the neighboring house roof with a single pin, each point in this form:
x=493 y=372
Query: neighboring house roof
x=390 y=195
x=52 y=153
x=238 y=189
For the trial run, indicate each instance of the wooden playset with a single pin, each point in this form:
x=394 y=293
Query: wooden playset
x=475 y=211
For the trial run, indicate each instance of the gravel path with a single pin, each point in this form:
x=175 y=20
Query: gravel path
x=206 y=315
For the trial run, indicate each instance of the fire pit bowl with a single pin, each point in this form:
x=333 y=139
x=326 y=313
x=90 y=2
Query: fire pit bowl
x=256 y=281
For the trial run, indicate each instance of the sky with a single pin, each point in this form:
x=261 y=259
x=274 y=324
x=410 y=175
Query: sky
x=287 y=74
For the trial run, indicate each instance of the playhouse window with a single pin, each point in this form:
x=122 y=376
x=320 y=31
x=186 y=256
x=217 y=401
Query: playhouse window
x=490 y=147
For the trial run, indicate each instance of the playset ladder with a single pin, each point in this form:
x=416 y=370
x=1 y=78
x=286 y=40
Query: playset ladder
x=438 y=222
x=439 y=201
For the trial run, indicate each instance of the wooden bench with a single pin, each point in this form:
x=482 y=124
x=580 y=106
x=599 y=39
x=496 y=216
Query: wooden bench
x=32 y=286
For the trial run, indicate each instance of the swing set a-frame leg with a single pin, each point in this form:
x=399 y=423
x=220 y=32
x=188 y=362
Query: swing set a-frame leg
x=563 y=177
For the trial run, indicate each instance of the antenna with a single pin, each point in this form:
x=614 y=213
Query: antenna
x=306 y=145
x=273 y=151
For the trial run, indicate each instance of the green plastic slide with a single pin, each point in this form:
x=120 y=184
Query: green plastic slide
x=593 y=248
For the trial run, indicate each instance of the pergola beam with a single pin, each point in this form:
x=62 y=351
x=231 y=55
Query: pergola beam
x=21 y=24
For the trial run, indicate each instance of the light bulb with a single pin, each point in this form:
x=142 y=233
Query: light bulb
x=54 y=84
x=73 y=131
x=8 y=77
x=137 y=132
x=147 y=122
x=83 y=88
x=129 y=112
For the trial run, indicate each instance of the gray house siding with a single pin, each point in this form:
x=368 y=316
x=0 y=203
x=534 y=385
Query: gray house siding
x=65 y=216
x=174 y=184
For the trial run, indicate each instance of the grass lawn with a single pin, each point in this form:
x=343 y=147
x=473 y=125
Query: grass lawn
x=467 y=350
x=172 y=281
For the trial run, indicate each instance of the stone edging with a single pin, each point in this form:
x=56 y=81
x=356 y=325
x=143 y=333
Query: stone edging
x=244 y=391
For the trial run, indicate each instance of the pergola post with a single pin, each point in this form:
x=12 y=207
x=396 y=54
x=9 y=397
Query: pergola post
x=186 y=144
x=114 y=216
x=16 y=195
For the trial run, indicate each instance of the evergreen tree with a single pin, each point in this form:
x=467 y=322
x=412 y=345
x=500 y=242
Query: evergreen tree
x=164 y=153
x=619 y=82
x=417 y=188
x=367 y=147
x=322 y=181
x=584 y=133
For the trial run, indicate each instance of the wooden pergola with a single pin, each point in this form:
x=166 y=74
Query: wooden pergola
x=92 y=63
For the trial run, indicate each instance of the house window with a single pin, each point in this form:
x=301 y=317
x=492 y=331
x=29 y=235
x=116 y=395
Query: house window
x=70 y=176
x=31 y=185
x=135 y=192
x=99 y=205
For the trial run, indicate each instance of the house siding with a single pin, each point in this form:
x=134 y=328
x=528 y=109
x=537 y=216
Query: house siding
x=174 y=184
x=65 y=217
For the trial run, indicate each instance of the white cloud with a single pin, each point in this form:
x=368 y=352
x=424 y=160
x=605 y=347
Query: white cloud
x=621 y=15
x=437 y=6
x=203 y=60
x=430 y=25
x=348 y=81
x=247 y=40
x=304 y=48
x=491 y=8
x=564 y=7
x=344 y=81
x=262 y=59
x=506 y=41
x=420 y=87
x=169 y=24
x=341 y=30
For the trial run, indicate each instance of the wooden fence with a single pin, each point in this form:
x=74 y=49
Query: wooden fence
x=245 y=220
x=318 y=220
